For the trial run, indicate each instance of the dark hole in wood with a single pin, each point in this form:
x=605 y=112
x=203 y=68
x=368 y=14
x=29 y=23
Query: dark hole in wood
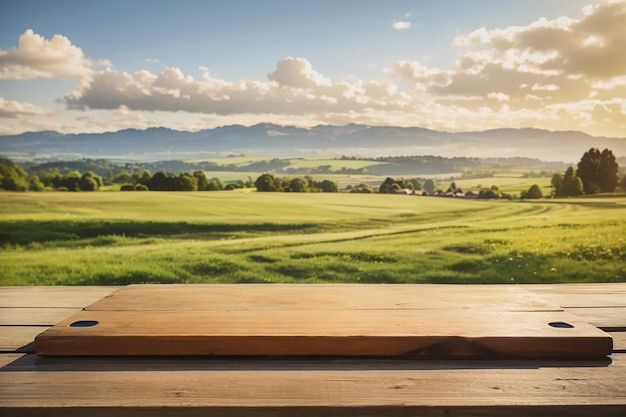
x=84 y=323
x=561 y=325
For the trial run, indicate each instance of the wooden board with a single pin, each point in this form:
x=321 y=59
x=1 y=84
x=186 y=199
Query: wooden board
x=34 y=316
x=608 y=319
x=18 y=338
x=448 y=390
x=415 y=320
x=69 y=297
x=252 y=297
x=581 y=295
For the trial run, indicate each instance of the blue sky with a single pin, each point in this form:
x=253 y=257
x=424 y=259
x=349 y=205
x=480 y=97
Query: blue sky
x=89 y=66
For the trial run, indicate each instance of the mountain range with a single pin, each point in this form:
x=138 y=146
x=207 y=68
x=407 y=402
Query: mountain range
x=284 y=141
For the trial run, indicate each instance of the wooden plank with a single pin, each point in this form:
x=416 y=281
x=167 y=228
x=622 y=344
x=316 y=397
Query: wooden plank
x=608 y=319
x=220 y=297
x=69 y=297
x=427 y=333
x=582 y=295
x=460 y=392
x=619 y=341
x=6 y=359
x=606 y=288
x=19 y=338
x=34 y=316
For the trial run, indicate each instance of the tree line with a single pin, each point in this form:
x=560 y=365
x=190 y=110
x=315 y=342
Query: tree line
x=14 y=178
x=271 y=183
x=597 y=172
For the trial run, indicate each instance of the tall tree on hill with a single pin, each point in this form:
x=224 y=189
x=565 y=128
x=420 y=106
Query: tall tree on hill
x=598 y=171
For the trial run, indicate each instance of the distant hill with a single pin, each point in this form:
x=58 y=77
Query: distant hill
x=283 y=141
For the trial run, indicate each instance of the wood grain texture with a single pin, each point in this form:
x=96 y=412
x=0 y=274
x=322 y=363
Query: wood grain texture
x=69 y=297
x=581 y=391
x=19 y=338
x=34 y=316
x=606 y=318
x=141 y=386
x=6 y=359
x=619 y=341
x=220 y=297
x=425 y=321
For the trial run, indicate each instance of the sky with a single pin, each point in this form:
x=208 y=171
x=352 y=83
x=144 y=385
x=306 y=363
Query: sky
x=449 y=65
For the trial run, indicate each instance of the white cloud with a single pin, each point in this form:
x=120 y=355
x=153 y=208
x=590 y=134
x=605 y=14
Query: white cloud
x=16 y=110
x=37 y=57
x=401 y=25
x=297 y=72
x=293 y=88
x=499 y=96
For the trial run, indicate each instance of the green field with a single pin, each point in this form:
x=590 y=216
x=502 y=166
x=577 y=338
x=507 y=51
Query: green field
x=58 y=238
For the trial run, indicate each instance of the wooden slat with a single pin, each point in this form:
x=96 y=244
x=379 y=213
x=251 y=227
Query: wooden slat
x=216 y=297
x=582 y=295
x=454 y=391
x=619 y=341
x=69 y=297
x=610 y=318
x=6 y=359
x=606 y=288
x=325 y=332
x=34 y=316
x=19 y=338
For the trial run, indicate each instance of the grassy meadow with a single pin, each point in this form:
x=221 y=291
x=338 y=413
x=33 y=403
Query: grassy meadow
x=58 y=238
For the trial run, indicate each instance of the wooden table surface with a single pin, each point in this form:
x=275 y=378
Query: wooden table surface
x=32 y=385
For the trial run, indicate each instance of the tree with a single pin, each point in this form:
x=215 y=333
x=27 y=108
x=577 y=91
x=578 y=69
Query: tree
x=161 y=182
x=534 y=192
x=557 y=184
x=185 y=182
x=598 y=171
x=429 y=186
x=12 y=177
x=201 y=179
x=34 y=183
x=299 y=185
x=143 y=177
x=572 y=184
x=328 y=186
x=268 y=182
x=453 y=188
x=71 y=181
x=608 y=172
x=213 y=185
x=386 y=185
x=362 y=188
x=89 y=181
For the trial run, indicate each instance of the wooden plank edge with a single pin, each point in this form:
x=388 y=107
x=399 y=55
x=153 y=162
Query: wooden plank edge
x=419 y=346
x=596 y=410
